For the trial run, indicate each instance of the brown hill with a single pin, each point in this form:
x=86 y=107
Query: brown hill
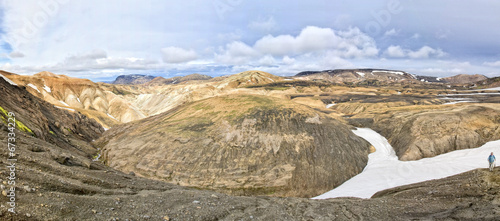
x=465 y=79
x=240 y=144
x=248 y=78
x=417 y=132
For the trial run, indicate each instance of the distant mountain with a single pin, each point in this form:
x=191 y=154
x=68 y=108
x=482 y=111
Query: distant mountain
x=133 y=79
x=465 y=79
x=489 y=83
x=382 y=75
x=248 y=78
x=358 y=75
x=158 y=81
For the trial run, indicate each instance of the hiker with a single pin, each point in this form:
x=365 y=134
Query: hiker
x=491 y=160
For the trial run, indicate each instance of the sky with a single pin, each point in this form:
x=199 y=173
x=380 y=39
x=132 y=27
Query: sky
x=100 y=40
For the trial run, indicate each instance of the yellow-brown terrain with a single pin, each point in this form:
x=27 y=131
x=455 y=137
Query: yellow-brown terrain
x=246 y=134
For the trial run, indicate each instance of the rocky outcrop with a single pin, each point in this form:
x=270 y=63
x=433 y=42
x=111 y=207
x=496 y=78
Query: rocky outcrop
x=241 y=145
x=417 y=132
x=133 y=79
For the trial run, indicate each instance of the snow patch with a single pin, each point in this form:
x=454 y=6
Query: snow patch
x=384 y=170
x=390 y=72
x=330 y=105
x=270 y=79
x=78 y=99
x=8 y=80
x=62 y=102
x=457 y=100
x=361 y=74
x=65 y=108
x=111 y=116
x=471 y=94
x=47 y=88
x=34 y=87
x=489 y=89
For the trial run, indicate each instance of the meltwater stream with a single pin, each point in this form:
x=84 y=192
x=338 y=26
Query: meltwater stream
x=384 y=170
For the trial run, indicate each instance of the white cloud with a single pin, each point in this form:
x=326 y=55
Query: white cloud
x=96 y=60
x=492 y=64
x=395 y=52
x=415 y=36
x=236 y=52
x=263 y=25
x=16 y=54
x=443 y=34
x=287 y=60
x=391 y=32
x=178 y=55
x=426 y=52
x=267 y=60
x=422 y=53
x=349 y=44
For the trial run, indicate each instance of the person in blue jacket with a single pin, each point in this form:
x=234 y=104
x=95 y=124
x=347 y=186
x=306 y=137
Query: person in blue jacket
x=491 y=160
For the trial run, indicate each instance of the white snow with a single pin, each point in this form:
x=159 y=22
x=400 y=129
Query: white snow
x=330 y=105
x=33 y=86
x=457 y=100
x=8 y=80
x=78 y=99
x=489 y=89
x=65 y=108
x=384 y=170
x=62 y=102
x=471 y=94
x=270 y=79
x=47 y=88
x=390 y=72
x=438 y=79
x=111 y=116
x=361 y=73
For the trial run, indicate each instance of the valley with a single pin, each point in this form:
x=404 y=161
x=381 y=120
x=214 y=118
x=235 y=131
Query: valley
x=252 y=144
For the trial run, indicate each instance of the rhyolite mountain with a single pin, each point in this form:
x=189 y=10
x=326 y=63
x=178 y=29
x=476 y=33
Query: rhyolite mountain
x=240 y=144
x=133 y=79
x=75 y=94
